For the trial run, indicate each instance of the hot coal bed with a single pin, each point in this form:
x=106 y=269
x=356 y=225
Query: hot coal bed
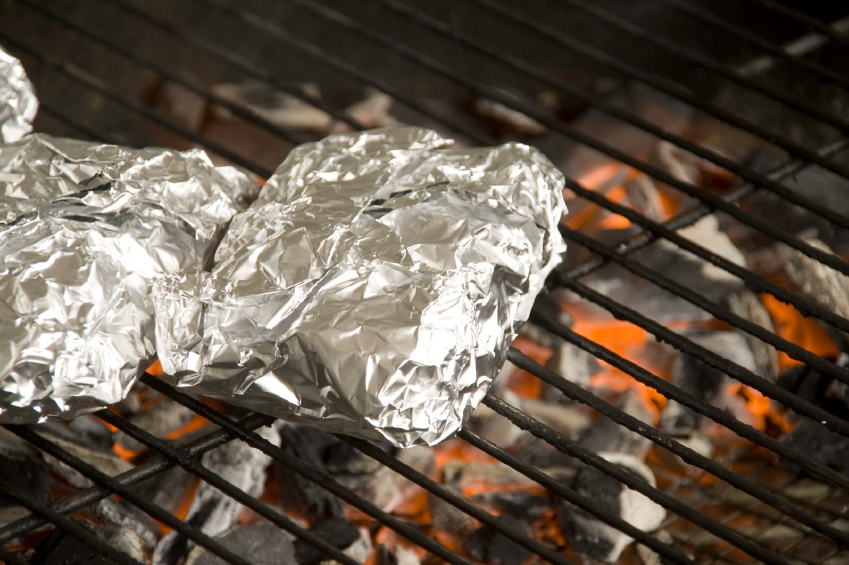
x=679 y=394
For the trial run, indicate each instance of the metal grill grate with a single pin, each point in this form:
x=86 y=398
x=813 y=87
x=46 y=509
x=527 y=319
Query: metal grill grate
x=401 y=49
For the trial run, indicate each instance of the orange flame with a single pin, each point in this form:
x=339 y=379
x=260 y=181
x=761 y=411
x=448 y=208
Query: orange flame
x=796 y=328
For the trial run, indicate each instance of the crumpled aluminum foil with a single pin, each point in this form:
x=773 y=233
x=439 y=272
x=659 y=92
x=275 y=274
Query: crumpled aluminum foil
x=18 y=104
x=373 y=288
x=84 y=230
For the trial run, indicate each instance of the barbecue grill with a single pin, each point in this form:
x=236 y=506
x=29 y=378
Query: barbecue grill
x=759 y=73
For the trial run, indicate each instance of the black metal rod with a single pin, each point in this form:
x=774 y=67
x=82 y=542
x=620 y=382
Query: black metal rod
x=688 y=455
x=628 y=478
x=684 y=398
x=61 y=115
x=141 y=472
x=707 y=198
x=753 y=281
x=696 y=58
x=308 y=472
x=742 y=33
x=613 y=110
x=455 y=500
x=315 y=51
x=812 y=23
x=571 y=496
x=243 y=112
x=246 y=66
x=717 y=310
x=708 y=357
x=100 y=478
x=104 y=88
x=79 y=532
x=194 y=466
x=671 y=88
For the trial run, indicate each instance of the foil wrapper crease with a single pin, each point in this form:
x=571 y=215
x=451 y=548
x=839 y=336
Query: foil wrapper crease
x=85 y=229
x=373 y=288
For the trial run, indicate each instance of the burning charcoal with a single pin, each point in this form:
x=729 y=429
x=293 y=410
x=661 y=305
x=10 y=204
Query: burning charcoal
x=497 y=429
x=447 y=517
x=574 y=364
x=461 y=474
x=649 y=557
x=703 y=381
x=104 y=461
x=821 y=390
x=297 y=493
x=521 y=504
x=399 y=556
x=260 y=544
x=819 y=444
x=129 y=542
x=819 y=283
x=389 y=489
x=607 y=435
x=168 y=489
x=89 y=431
x=211 y=511
x=338 y=532
x=60 y=548
x=748 y=306
x=27 y=474
x=159 y=420
x=593 y=538
x=373 y=111
x=493 y=548
x=129 y=518
x=665 y=257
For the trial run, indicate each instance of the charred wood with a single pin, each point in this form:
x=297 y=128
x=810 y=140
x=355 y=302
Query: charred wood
x=261 y=544
x=211 y=511
x=159 y=420
x=594 y=539
x=748 y=306
x=338 y=532
x=493 y=548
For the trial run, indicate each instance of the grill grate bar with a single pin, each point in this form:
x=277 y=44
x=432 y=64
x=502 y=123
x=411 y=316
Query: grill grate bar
x=104 y=88
x=194 y=467
x=12 y=558
x=697 y=58
x=325 y=481
x=708 y=199
x=117 y=488
x=762 y=181
x=742 y=33
x=244 y=65
x=717 y=310
x=668 y=87
x=241 y=111
x=681 y=343
x=567 y=446
x=147 y=470
x=575 y=392
x=76 y=530
x=809 y=21
x=675 y=393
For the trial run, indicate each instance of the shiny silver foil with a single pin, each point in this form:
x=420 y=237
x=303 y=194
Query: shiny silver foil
x=85 y=228
x=18 y=104
x=373 y=288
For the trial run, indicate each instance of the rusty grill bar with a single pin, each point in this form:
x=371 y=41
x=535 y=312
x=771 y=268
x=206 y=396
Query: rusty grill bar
x=681 y=497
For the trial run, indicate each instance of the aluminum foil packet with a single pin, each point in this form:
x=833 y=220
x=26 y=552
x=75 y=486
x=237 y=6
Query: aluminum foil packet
x=373 y=288
x=85 y=228
x=18 y=104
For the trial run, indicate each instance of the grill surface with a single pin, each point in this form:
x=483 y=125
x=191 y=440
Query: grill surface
x=100 y=66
